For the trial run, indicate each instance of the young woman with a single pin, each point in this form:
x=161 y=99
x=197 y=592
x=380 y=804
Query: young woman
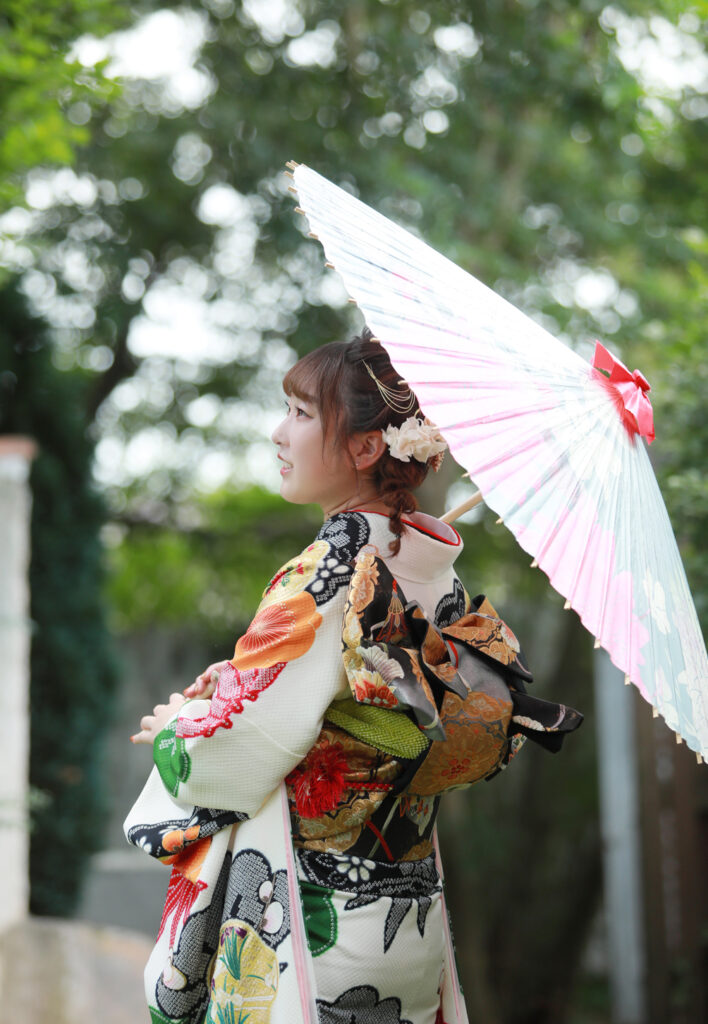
x=296 y=788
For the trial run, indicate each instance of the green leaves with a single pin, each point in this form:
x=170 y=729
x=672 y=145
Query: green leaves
x=171 y=758
x=45 y=98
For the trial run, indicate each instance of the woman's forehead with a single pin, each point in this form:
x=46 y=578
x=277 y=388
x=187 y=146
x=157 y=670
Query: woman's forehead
x=293 y=392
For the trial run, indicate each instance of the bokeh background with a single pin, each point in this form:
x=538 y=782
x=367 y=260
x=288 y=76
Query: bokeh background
x=155 y=284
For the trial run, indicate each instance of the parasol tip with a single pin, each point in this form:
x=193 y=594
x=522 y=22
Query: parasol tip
x=597 y=644
x=627 y=680
x=679 y=738
x=292 y=164
x=500 y=521
x=654 y=712
x=566 y=606
x=534 y=564
x=699 y=759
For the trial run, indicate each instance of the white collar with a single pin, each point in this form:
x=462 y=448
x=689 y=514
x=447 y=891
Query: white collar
x=428 y=547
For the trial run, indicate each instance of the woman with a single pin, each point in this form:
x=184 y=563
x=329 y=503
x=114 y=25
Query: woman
x=295 y=791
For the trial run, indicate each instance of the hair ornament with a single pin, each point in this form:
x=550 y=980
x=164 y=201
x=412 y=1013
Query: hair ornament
x=417 y=439
x=397 y=399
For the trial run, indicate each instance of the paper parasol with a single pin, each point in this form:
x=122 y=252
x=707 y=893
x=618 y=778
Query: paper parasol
x=551 y=441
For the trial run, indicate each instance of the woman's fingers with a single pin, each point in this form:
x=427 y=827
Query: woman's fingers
x=145 y=734
x=205 y=683
x=150 y=725
x=195 y=689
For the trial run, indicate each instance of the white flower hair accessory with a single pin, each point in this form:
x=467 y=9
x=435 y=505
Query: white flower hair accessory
x=417 y=439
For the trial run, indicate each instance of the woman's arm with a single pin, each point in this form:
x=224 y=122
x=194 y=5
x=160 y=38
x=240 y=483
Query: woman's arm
x=267 y=707
x=203 y=686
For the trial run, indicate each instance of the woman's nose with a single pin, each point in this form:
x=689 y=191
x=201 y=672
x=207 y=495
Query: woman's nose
x=277 y=435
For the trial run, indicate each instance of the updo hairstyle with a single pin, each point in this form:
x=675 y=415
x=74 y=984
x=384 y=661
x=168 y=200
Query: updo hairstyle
x=335 y=379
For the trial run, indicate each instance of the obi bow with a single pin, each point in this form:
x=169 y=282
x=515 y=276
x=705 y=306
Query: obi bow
x=465 y=678
x=630 y=390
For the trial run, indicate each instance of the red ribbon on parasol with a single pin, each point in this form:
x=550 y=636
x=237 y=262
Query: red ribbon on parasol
x=631 y=389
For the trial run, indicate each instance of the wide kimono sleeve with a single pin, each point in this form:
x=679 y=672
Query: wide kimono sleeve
x=269 y=703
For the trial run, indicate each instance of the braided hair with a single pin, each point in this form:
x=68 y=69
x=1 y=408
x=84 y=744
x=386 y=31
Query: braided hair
x=336 y=379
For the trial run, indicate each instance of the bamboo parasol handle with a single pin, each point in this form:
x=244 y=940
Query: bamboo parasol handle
x=455 y=513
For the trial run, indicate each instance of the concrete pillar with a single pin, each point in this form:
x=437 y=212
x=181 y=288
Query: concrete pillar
x=619 y=822
x=16 y=454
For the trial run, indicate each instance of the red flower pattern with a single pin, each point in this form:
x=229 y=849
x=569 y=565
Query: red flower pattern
x=319 y=781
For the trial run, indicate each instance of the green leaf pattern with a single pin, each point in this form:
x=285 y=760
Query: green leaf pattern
x=171 y=757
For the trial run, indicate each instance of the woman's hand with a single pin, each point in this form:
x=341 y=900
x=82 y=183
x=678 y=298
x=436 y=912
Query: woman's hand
x=205 y=683
x=151 y=725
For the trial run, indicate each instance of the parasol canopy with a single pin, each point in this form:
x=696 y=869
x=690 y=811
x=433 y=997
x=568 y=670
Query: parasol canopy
x=553 y=443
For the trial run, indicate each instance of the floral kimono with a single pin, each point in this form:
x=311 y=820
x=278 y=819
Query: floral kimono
x=297 y=807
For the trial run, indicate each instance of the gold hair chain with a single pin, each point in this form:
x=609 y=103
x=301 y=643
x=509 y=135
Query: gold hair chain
x=398 y=400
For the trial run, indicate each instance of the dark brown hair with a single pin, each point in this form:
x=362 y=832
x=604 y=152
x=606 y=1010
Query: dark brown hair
x=335 y=379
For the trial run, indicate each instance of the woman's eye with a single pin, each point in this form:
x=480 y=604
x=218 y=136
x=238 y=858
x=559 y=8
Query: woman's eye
x=298 y=410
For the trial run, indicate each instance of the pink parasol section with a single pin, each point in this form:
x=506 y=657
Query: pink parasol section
x=553 y=443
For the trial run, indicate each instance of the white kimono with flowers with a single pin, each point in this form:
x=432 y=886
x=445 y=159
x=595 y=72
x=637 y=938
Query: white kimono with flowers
x=297 y=807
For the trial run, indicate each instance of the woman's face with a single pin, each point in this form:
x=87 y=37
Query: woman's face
x=311 y=472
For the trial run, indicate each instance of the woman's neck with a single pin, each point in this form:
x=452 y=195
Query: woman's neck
x=359 y=502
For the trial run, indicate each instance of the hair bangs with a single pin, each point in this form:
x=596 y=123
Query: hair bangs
x=317 y=378
x=304 y=380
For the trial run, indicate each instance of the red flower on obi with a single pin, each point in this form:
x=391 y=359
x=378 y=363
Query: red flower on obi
x=319 y=781
x=457 y=767
x=280 y=632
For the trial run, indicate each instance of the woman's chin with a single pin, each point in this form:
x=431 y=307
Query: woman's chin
x=290 y=492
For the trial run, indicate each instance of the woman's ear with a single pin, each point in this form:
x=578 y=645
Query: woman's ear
x=366 y=449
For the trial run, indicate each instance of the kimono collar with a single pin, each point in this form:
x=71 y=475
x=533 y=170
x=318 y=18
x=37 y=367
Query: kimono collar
x=428 y=547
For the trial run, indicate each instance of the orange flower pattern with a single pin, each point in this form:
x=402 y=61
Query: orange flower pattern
x=176 y=840
x=281 y=631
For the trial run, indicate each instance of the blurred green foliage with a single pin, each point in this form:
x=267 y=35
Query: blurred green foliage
x=46 y=99
x=211 y=576
x=73 y=666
